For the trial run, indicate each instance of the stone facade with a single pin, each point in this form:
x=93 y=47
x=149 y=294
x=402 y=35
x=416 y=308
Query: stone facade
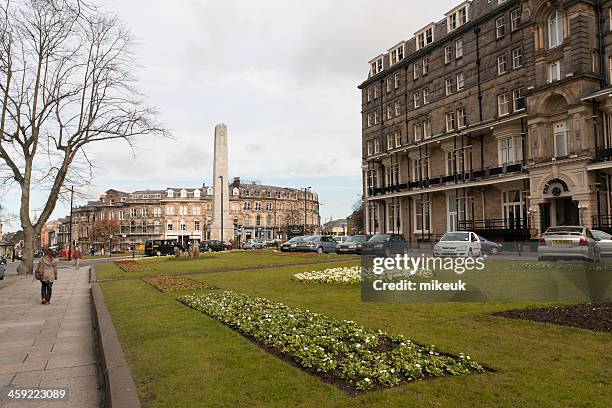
x=495 y=119
x=185 y=214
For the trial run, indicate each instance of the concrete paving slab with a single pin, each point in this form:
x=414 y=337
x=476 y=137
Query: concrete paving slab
x=50 y=345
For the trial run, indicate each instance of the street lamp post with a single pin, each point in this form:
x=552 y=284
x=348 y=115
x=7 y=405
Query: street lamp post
x=305 y=189
x=70 y=228
x=110 y=246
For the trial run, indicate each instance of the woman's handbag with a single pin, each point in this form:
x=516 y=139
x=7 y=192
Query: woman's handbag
x=40 y=271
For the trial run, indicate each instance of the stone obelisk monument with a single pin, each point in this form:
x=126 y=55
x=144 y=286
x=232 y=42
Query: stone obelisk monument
x=222 y=227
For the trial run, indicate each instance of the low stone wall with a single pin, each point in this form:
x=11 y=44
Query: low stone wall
x=120 y=389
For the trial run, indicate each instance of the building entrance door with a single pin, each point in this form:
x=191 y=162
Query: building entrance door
x=566 y=212
x=452 y=211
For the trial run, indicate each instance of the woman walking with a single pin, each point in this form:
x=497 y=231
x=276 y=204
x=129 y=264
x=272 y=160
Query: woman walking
x=78 y=255
x=47 y=273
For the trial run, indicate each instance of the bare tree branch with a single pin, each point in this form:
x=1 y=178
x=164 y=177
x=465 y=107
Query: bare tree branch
x=65 y=82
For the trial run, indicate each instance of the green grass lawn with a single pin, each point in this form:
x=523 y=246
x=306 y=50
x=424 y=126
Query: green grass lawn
x=182 y=358
x=213 y=261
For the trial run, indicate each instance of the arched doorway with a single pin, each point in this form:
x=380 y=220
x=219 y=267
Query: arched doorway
x=559 y=208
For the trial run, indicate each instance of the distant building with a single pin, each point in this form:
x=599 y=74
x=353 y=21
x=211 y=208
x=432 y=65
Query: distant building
x=336 y=227
x=185 y=214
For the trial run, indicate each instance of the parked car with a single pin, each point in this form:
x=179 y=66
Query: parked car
x=39 y=253
x=3 y=260
x=458 y=243
x=340 y=238
x=291 y=245
x=213 y=245
x=489 y=247
x=385 y=245
x=317 y=243
x=568 y=243
x=352 y=245
x=2 y=271
x=160 y=247
x=254 y=243
x=604 y=242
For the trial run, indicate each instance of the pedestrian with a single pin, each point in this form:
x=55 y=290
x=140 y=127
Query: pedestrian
x=46 y=272
x=13 y=255
x=77 y=258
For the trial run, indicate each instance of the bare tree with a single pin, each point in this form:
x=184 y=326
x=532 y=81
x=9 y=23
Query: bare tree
x=65 y=83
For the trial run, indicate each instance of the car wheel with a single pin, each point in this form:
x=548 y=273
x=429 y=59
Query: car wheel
x=494 y=251
x=319 y=250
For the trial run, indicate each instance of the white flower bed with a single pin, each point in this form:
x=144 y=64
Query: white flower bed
x=346 y=275
x=359 y=357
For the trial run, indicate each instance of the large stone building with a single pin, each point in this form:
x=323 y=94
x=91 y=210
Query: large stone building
x=496 y=118
x=185 y=214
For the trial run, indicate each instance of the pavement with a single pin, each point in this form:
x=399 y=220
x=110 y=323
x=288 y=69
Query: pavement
x=49 y=346
x=11 y=267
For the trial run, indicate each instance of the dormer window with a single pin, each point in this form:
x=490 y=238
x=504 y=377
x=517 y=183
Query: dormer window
x=424 y=37
x=376 y=65
x=396 y=54
x=196 y=193
x=183 y=193
x=457 y=17
x=209 y=191
x=170 y=193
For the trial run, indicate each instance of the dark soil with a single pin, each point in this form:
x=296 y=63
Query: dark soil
x=591 y=316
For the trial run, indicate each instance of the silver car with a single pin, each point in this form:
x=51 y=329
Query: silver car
x=604 y=242
x=317 y=243
x=568 y=243
x=254 y=244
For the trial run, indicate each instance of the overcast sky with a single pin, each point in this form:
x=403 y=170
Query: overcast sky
x=282 y=75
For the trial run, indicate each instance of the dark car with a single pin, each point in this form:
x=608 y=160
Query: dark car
x=160 y=247
x=489 y=247
x=385 y=245
x=352 y=245
x=39 y=253
x=317 y=243
x=213 y=245
x=291 y=245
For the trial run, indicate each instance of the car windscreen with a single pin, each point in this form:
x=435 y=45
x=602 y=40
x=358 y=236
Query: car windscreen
x=379 y=238
x=455 y=236
x=356 y=238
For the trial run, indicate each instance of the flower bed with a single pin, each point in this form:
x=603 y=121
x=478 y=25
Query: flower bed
x=166 y=283
x=129 y=265
x=347 y=275
x=350 y=356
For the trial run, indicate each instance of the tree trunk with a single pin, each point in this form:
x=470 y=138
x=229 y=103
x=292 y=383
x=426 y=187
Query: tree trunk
x=27 y=260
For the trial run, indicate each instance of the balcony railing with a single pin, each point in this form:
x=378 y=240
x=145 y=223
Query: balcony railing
x=492 y=228
x=491 y=172
x=604 y=153
x=602 y=222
